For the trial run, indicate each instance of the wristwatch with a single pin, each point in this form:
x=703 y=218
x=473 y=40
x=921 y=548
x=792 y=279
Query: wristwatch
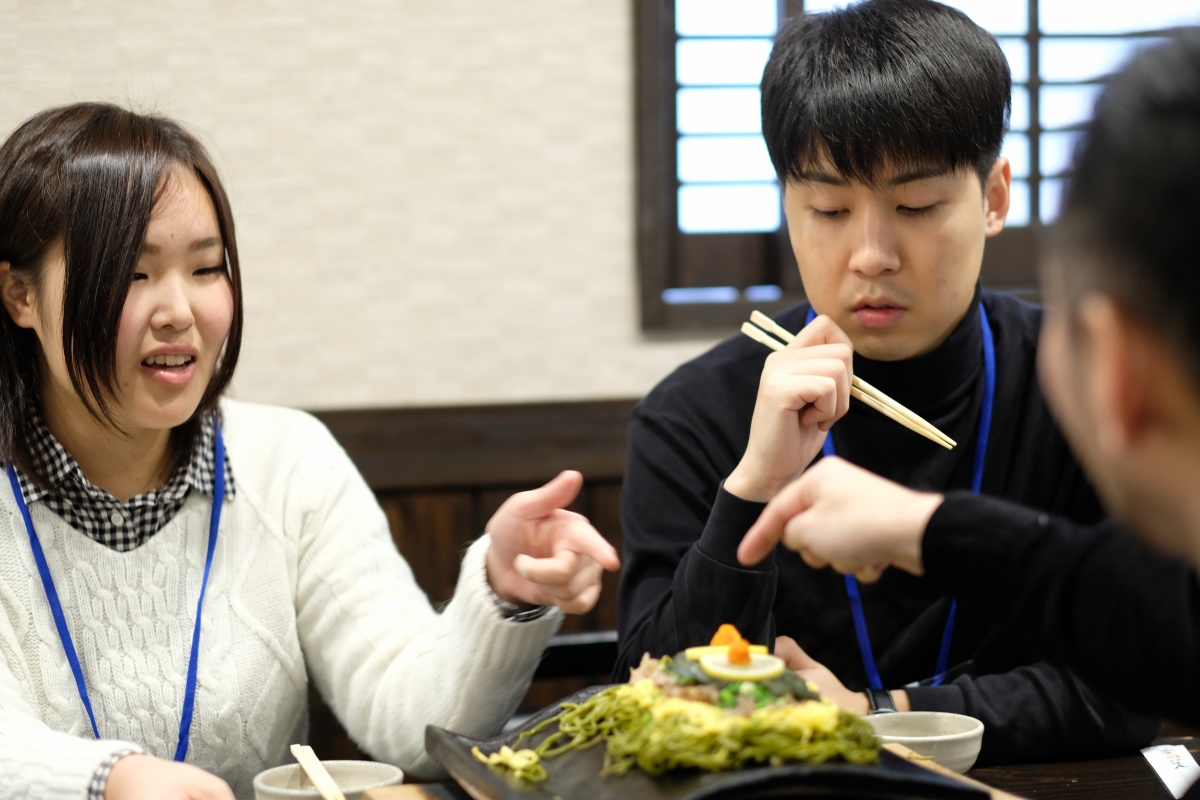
x=880 y=701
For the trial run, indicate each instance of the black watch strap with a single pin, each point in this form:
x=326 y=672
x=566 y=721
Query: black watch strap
x=881 y=701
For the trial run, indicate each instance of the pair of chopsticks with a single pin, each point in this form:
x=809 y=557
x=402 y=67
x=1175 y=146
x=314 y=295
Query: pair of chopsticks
x=322 y=781
x=761 y=330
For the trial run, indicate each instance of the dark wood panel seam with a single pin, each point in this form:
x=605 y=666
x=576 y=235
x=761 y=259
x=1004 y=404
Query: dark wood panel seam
x=479 y=446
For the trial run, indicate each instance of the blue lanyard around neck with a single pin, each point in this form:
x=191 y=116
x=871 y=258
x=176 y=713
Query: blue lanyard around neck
x=60 y=621
x=981 y=443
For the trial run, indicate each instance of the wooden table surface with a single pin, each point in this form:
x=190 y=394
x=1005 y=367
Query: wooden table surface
x=1125 y=778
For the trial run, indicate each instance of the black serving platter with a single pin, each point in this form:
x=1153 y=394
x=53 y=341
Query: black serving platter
x=576 y=775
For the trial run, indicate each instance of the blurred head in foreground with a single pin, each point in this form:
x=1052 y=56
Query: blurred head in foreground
x=1120 y=358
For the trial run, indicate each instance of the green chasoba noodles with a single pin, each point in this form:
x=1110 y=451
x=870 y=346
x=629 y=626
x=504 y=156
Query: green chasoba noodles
x=645 y=723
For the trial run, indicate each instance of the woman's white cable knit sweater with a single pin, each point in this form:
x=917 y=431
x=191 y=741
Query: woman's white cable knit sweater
x=305 y=583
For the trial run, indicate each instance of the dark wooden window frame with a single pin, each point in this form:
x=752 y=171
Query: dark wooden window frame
x=668 y=258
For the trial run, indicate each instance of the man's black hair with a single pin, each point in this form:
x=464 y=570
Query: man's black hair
x=1130 y=217
x=882 y=85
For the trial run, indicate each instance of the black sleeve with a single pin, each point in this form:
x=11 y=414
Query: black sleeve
x=680 y=578
x=1124 y=618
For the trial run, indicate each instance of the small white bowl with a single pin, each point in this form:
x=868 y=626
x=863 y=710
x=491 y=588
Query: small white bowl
x=353 y=777
x=951 y=740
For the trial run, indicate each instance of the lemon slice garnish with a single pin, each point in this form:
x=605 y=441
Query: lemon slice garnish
x=762 y=667
x=697 y=653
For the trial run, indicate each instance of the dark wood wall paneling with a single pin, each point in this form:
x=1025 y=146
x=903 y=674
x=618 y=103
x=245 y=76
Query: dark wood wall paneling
x=440 y=474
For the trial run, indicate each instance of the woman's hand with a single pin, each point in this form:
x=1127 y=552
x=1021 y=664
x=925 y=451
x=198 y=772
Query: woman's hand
x=144 y=777
x=803 y=390
x=541 y=554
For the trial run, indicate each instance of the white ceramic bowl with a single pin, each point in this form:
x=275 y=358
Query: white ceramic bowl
x=353 y=777
x=951 y=740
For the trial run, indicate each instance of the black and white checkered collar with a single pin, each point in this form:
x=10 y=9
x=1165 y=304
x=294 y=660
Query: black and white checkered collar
x=121 y=525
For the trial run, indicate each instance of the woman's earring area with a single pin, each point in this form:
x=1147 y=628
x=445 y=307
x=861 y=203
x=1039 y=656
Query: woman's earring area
x=16 y=295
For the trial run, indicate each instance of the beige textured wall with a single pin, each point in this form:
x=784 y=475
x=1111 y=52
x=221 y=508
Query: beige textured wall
x=434 y=197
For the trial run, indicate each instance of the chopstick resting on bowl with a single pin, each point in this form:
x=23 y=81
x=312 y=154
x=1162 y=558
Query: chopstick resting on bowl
x=321 y=779
x=761 y=330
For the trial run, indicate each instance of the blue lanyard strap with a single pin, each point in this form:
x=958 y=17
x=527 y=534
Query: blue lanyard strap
x=989 y=397
x=214 y=523
x=60 y=621
x=981 y=443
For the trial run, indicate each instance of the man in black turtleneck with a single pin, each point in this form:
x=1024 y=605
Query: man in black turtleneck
x=1120 y=364
x=892 y=181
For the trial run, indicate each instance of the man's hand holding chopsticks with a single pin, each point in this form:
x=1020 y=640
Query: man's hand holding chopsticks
x=804 y=389
x=541 y=554
x=842 y=516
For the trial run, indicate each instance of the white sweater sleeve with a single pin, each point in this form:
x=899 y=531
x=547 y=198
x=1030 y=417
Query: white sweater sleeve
x=36 y=761
x=386 y=662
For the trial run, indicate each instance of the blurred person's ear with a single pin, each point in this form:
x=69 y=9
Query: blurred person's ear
x=1127 y=371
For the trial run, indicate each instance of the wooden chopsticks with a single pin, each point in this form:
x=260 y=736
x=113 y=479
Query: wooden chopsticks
x=320 y=777
x=761 y=330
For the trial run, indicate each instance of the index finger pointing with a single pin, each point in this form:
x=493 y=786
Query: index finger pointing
x=768 y=531
x=586 y=540
x=762 y=537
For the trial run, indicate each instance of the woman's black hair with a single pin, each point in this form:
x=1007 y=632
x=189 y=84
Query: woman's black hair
x=1129 y=218
x=885 y=85
x=88 y=175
